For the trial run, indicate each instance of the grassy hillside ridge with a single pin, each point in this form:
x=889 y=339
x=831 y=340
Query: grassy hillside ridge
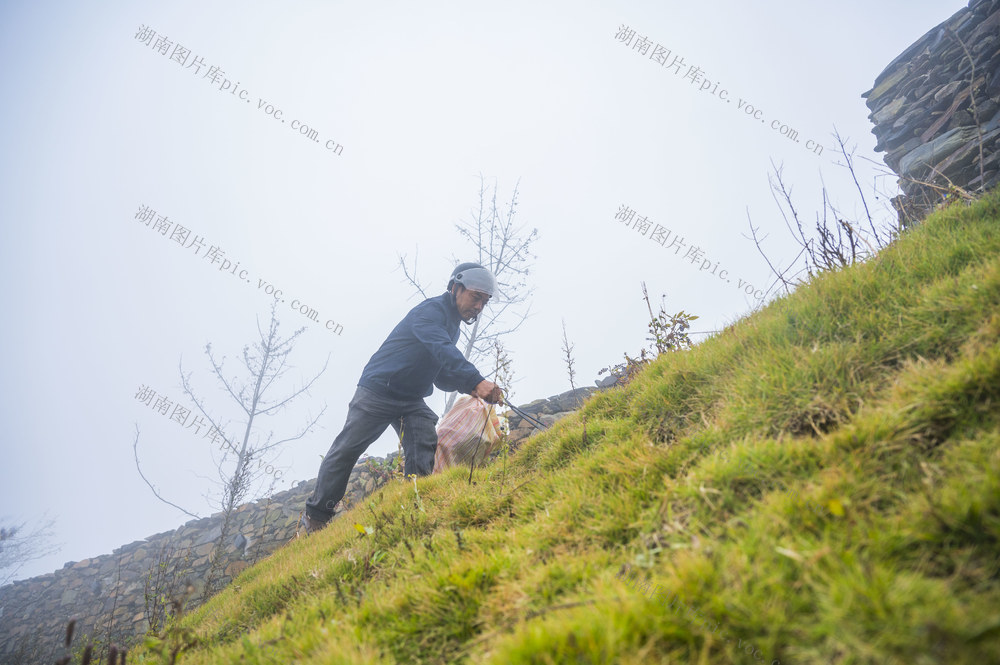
x=818 y=483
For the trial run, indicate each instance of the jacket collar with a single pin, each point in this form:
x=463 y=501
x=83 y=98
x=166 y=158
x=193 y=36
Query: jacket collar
x=451 y=307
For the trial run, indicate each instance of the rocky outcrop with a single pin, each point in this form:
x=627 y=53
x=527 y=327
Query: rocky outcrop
x=546 y=411
x=936 y=110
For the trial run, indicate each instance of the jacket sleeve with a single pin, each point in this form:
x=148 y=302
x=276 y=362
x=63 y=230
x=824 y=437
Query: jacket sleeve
x=447 y=382
x=456 y=372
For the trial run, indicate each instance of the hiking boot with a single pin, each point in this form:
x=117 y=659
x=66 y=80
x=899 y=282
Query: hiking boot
x=308 y=525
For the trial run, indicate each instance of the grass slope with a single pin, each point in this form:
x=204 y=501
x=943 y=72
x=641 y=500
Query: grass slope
x=820 y=483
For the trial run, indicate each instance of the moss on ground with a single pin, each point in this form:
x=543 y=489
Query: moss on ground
x=819 y=483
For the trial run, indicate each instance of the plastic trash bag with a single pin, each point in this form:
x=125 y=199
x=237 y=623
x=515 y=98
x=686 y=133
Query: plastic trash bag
x=470 y=429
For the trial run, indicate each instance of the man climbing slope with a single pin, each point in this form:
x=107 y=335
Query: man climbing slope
x=418 y=354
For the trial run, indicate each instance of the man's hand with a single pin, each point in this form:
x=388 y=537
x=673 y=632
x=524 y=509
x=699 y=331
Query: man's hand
x=489 y=391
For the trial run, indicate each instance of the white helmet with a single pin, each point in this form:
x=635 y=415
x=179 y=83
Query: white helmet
x=475 y=277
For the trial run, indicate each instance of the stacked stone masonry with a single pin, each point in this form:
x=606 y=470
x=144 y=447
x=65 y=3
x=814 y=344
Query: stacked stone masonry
x=107 y=594
x=936 y=109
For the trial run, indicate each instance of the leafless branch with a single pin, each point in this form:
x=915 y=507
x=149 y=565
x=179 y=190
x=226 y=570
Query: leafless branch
x=298 y=436
x=265 y=362
x=412 y=278
x=135 y=453
x=298 y=392
x=834 y=241
x=19 y=545
x=779 y=275
x=850 y=167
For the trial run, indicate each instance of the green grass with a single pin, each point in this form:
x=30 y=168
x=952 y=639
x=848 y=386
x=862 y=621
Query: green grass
x=819 y=483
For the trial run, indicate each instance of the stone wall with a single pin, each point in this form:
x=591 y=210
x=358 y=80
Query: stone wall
x=106 y=594
x=546 y=411
x=936 y=104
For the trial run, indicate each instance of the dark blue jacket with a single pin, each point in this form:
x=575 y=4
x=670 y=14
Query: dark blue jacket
x=420 y=352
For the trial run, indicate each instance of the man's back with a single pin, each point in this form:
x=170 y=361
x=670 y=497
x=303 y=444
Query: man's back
x=420 y=352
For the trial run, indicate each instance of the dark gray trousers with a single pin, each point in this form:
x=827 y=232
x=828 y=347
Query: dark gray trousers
x=367 y=417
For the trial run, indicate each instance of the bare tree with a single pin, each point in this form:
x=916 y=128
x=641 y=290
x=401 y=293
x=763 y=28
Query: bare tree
x=833 y=242
x=567 y=350
x=164 y=581
x=503 y=372
x=19 y=545
x=264 y=362
x=505 y=249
